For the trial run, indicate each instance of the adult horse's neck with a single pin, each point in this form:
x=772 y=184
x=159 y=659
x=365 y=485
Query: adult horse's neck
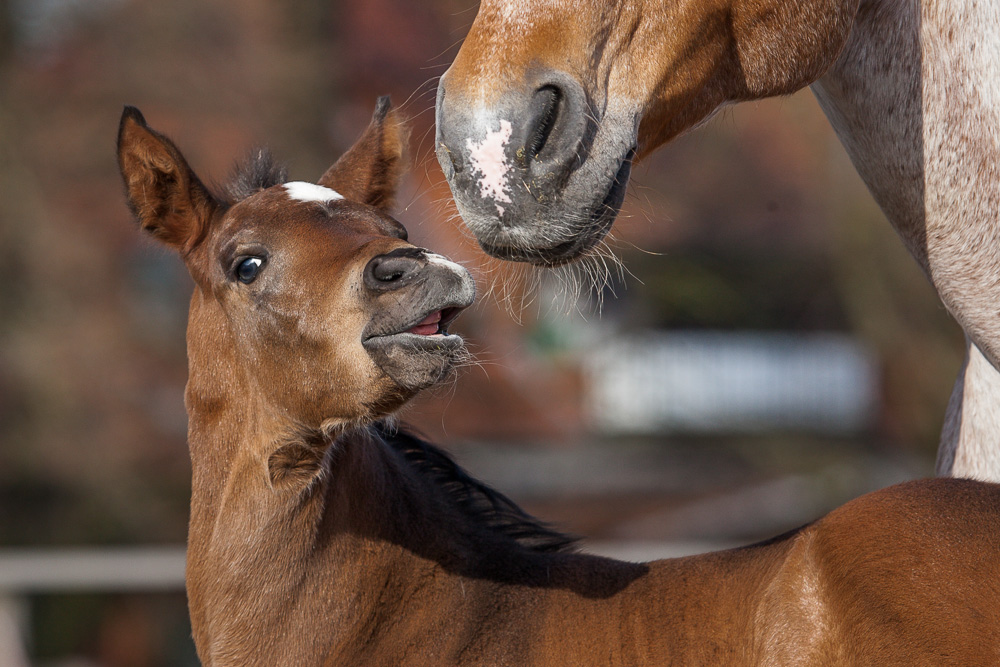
x=871 y=96
x=914 y=99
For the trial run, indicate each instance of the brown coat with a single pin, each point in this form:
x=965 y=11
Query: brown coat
x=318 y=536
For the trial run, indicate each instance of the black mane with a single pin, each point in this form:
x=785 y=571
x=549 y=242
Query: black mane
x=257 y=171
x=484 y=505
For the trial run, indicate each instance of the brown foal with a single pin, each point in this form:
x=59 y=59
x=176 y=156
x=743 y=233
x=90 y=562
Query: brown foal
x=320 y=536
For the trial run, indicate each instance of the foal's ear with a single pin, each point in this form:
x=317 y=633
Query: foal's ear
x=164 y=194
x=369 y=171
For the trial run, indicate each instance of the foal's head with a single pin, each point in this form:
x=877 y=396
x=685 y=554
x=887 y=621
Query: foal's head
x=310 y=305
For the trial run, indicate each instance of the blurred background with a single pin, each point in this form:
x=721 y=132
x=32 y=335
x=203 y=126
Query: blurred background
x=769 y=352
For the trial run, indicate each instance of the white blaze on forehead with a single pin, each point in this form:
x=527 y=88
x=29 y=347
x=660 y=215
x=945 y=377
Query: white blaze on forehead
x=302 y=191
x=488 y=159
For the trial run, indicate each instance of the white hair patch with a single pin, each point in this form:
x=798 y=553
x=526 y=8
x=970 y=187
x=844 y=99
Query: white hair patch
x=488 y=159
x=302 y=191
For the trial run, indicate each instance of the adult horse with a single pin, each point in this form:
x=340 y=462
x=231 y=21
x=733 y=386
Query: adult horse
x=548 y=103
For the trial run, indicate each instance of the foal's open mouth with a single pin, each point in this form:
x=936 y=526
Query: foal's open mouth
x=407 y=336
x=436 y=323
x=418 y=351
x=427 y=331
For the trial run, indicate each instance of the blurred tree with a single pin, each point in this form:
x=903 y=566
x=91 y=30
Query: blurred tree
x=6 y=32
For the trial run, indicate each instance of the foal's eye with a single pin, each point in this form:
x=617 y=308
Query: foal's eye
x=247 y=270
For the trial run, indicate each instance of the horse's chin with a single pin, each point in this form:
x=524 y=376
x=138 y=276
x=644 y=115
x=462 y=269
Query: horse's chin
x=553 y=256
x=415 y=362
x=554 y=239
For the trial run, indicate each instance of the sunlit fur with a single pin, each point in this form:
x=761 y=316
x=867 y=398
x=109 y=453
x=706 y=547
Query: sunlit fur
x=320 y=536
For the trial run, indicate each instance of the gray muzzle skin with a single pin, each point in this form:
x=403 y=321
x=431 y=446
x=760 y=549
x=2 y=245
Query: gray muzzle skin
x=407 y=285
x=522 y=172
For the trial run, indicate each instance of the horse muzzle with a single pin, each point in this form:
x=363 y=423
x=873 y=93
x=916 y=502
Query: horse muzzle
x=416 y=295
x=534 y=176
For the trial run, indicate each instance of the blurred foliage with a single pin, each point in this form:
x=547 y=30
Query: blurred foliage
x=693 y=289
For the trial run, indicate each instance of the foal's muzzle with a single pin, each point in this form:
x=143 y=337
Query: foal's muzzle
x=415 y=295
x=408 y=283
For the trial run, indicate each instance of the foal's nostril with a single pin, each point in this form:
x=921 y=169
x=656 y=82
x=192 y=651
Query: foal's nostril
x=389 y=270
x=393 y=270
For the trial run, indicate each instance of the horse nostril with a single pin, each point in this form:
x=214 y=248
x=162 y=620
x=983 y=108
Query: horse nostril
x=544 y=112
x=392 y=271
x=505 y=158
x=555 y=130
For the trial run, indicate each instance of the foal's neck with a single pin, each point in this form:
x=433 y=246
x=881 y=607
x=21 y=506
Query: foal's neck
x=362 y=536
